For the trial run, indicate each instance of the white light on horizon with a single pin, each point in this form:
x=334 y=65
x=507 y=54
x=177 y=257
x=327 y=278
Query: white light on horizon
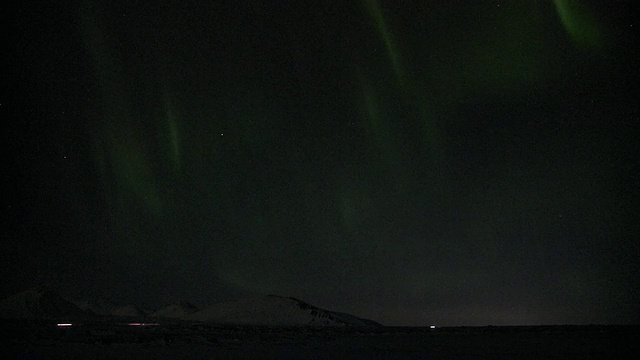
x=64 y=324
x=142 y=324
x=432 y=327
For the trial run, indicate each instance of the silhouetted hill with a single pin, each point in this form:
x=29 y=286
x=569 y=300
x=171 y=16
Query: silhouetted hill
x=40 y=303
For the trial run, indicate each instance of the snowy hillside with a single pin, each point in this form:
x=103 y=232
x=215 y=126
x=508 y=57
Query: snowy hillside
x=108 y=308
x=270 y=310
x=276 y=310
x=176 y=311
x=39 y=303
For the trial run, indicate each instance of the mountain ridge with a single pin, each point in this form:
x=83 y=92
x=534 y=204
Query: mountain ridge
x=267 y=310
x=276 y=310
x=40 y=303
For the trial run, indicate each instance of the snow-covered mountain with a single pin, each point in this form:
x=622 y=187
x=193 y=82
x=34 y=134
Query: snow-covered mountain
x=270 y=310
x=109 y=308
x=181 y=311
x=128 y=310
x=273 y=310
x=40 y=303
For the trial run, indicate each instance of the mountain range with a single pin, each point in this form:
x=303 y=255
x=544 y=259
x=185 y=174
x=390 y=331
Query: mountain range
x=41 y=304
x=269 y=310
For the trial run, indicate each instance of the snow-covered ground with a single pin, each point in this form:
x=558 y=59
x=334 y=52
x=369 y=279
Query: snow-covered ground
x=193 y=341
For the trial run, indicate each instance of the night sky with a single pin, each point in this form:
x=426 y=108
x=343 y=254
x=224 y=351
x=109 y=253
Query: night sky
x=411 y=162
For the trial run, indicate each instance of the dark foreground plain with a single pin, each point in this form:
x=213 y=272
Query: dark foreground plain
x=120 y=340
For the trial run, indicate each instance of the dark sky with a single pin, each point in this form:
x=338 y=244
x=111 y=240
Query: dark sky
x=413 y=162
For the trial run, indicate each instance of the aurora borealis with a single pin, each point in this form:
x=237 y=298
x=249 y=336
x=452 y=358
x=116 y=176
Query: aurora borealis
x=416 y=163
